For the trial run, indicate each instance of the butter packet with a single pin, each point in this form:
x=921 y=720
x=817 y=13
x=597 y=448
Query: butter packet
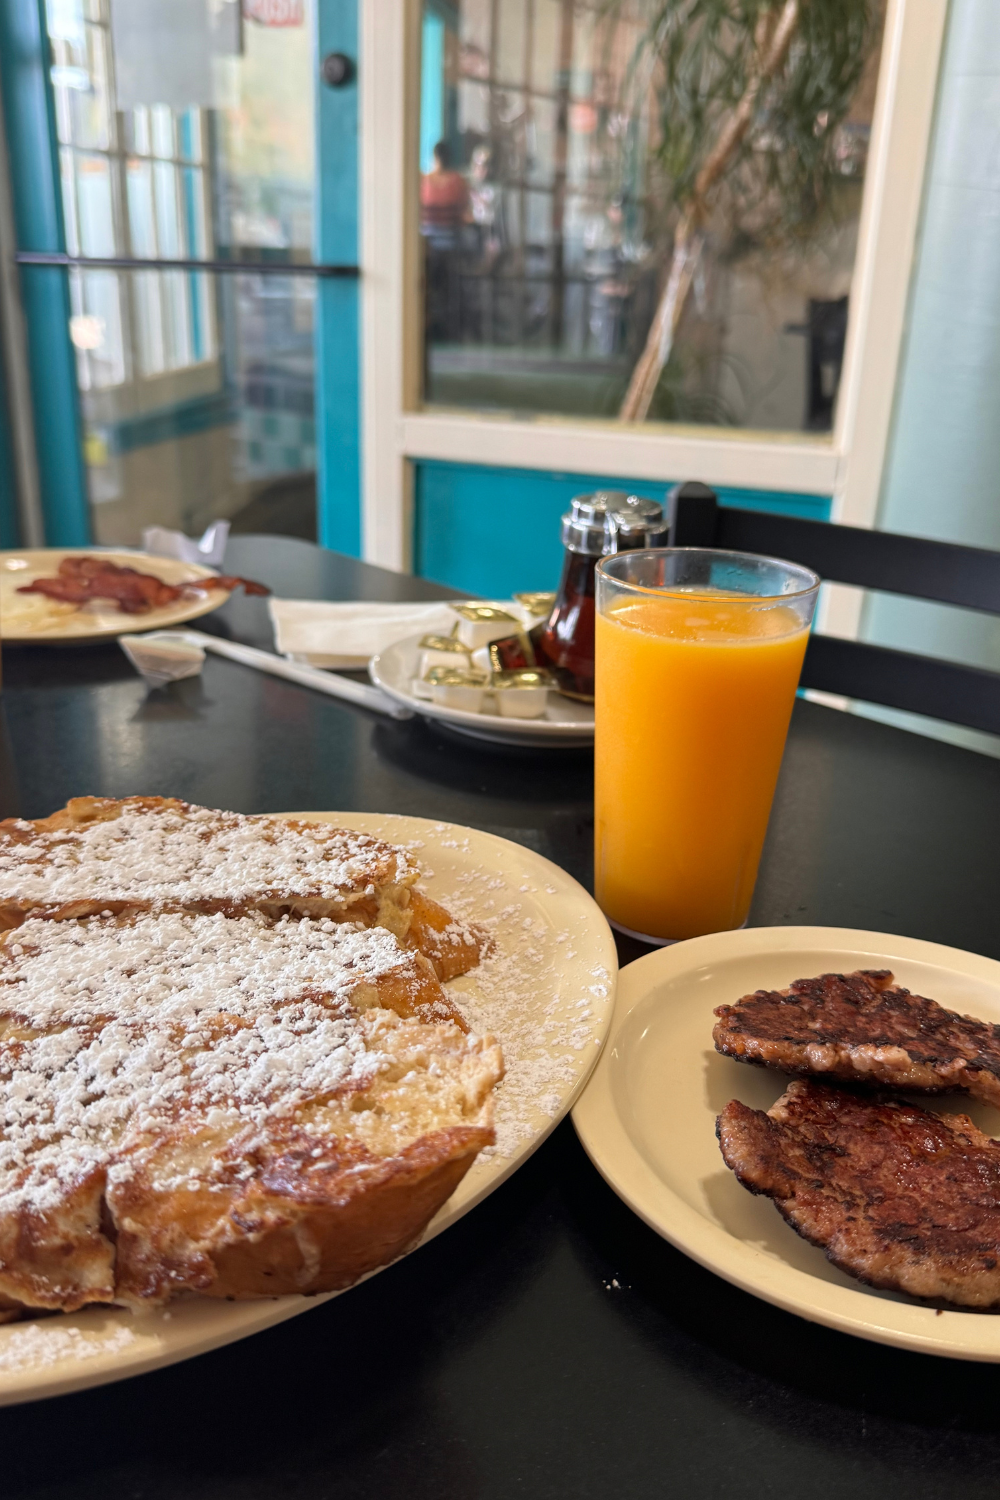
x=163 y=656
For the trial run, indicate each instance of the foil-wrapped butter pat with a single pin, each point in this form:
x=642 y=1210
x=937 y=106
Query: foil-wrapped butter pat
x=453 y=688
x=523 y=694
x=442 y=651
x=478 y=624
x=536 y=606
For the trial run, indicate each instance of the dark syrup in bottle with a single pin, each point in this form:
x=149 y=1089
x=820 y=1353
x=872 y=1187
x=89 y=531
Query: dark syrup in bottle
x=595 y=526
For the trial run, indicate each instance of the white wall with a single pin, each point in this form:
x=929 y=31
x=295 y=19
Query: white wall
x=942 y=474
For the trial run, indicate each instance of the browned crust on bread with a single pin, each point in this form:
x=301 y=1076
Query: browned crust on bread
x=452 y=947
x=60 y=1260
x=903 y=1199
x=863 y=1028
x=298 y=1226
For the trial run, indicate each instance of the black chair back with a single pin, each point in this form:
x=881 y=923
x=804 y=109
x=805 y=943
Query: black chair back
x=910 y=565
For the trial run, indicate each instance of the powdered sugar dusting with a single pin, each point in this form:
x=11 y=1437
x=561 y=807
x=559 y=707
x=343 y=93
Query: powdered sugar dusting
x=189 y=853
x=114 y=1027
x=36 y=1346
x=548 y=1023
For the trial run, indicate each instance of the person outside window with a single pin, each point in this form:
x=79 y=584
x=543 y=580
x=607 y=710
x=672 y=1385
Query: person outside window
x=444 y=210
x=444 y=198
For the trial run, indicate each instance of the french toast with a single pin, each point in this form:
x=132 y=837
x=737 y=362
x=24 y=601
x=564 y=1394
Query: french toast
x=103 y=854
x=227 y=1104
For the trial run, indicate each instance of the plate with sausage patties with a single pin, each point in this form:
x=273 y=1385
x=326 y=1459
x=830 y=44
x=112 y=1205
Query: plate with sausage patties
x=814 y=1114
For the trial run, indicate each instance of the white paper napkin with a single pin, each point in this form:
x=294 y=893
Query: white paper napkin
x=348 y=635
x=209 y=549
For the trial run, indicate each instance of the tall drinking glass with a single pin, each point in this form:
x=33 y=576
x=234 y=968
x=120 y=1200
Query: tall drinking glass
x=698 y=655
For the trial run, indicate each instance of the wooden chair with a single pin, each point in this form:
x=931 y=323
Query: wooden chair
x=921 y=569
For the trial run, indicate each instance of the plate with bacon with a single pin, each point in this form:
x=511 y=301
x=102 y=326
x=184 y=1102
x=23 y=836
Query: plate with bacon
x=53 y=596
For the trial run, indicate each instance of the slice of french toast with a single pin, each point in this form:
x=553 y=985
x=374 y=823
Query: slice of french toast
x=227 y=1105
x=103 y=854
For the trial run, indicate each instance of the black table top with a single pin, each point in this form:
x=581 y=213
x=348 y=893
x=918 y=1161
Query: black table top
x=501 y=1359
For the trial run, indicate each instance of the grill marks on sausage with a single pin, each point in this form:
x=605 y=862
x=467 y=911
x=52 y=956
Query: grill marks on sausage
x=865 y=1029
x=901 y=1198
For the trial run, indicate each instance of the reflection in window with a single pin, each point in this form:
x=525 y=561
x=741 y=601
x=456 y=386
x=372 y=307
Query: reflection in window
x=576 y=257
x=197 y=388
x=133 y=184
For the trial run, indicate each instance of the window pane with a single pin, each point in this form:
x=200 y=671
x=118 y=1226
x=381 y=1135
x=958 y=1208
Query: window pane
x=141 y=212
x=151 y=352
x=68 y=178
x=264 y=156
x=574 y=261
x=178 y=321
x=96 y=328
x=94 y=204
x=168 y=210
x=139 y=131
x=245 y=448
x=162 y=132
x=194 y=213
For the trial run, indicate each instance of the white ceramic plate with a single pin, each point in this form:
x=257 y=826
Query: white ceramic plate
x=30 y=619
x=565 y=722
x=547 y=993
x=647 y=1119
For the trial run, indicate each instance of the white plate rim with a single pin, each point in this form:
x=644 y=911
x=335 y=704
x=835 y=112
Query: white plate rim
x=479 y=726
x=903 y=1325
x=157 y=619
x=215 y=1324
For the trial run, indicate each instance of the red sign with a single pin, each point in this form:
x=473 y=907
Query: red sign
x=275 y=12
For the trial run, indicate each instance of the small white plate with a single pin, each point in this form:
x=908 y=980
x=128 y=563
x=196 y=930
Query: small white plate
x=25 y=619
x=647 y=1118
x=547 y=994
x=565 y=722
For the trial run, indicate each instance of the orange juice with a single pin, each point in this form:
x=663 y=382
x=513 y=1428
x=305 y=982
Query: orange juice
x=693 y=697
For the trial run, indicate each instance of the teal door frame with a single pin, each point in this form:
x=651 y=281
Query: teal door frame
x=29 y=117
x=338 y=320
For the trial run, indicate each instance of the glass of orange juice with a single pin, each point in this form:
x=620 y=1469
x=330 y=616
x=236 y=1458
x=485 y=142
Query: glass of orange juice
x=698 y=655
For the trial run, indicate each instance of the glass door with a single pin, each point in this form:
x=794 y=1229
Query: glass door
x=190 y=141
x=642 y=211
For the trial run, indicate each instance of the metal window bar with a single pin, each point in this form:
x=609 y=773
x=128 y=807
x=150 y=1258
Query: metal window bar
x=135 y=263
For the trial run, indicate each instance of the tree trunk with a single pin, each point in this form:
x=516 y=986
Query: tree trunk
x=773 y=44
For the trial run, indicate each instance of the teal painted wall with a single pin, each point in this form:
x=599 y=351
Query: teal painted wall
x=338 y=398
x=492 y=531
x=34 y=171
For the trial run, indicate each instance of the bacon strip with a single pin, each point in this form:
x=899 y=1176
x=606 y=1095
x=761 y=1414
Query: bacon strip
x=81 y=579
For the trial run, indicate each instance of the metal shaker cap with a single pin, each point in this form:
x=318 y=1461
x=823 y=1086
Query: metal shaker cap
x=611 y=521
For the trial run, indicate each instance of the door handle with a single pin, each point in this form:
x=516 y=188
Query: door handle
x=337 y=70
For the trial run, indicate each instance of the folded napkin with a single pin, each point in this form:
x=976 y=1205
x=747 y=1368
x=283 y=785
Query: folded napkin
x=347 y=635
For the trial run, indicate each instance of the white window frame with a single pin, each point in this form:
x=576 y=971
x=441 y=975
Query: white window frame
x=846 y=464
